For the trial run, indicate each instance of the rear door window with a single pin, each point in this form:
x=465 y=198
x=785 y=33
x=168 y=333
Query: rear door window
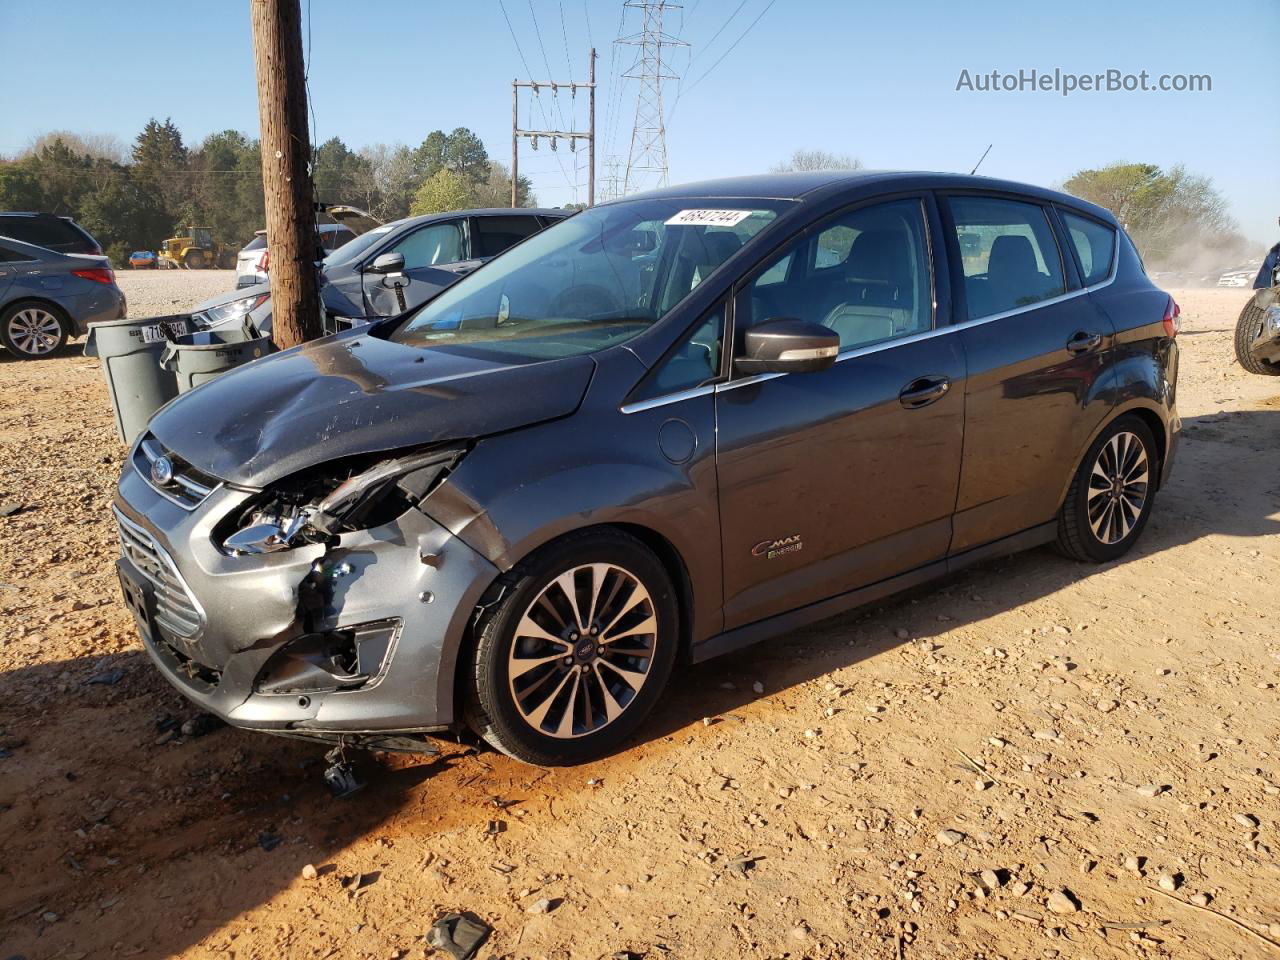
x=491 y=235
x=9 y=255
x=1009 y=255
x=1095 y=245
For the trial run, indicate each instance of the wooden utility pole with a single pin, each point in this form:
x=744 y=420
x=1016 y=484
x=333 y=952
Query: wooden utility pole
x=573 y=136
x=286 y=171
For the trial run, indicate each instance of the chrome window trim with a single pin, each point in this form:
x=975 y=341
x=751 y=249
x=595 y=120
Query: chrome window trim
x=141 y=533
x=666 y=398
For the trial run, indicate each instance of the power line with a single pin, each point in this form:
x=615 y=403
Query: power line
x=529 y=73
x=735 y=43
x=706 y=46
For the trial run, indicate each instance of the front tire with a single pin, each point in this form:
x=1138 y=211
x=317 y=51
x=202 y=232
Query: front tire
x=1248 y=326
x=574 y=656
x=1111 y=495
x=32 y=331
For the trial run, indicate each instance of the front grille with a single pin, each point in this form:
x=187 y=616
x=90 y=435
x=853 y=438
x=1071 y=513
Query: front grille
x=176 y=609
x=189 y=486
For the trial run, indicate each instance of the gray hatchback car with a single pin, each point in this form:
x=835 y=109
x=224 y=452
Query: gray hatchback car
x=47 y=297
x=668 y=427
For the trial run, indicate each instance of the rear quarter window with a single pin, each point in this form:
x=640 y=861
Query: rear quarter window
x=49 y=232
x=1095 y=245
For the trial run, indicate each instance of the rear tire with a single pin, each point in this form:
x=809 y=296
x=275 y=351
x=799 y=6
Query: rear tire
x=33 y=331
x=574 y=656
x=1111 y=495
x=1248 y=326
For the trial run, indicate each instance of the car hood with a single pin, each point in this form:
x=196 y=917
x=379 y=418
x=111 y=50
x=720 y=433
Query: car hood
x=357 y=394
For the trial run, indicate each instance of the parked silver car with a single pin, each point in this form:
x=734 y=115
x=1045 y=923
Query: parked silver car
x=46 y=297
x=253 y=260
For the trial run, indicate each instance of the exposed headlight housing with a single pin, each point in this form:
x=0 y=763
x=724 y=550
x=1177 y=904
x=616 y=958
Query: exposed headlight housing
x=1271 y=321
x=330 y=500
x=232 y=312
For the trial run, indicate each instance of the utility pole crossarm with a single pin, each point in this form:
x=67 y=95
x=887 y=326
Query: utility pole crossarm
x=573 y=136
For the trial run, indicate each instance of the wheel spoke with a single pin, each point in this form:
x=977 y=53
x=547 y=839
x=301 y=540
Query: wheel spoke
x=612 y=709
x=529 y=628
x=633 y=678
x=565 y=728
x=568 y=584
x=648 y=625
x=539 y=716
x=635 y=597
x=522 y=665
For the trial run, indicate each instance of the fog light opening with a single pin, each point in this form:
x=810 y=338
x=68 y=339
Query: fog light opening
x=328 y=662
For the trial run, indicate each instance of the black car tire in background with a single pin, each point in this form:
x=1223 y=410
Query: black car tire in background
x=622 y=589
x=1248 y=326
x=26 y=315
x=1124 y=460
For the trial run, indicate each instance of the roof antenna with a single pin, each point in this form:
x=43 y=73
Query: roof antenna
x=981 y=158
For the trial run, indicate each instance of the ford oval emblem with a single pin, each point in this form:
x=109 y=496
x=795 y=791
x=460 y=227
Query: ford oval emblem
x=162 y=471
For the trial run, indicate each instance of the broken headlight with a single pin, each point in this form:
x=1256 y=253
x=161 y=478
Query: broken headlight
x=328 y=501
x=231 y=312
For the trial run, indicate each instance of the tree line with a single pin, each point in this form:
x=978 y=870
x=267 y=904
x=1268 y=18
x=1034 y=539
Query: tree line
x=134 y=197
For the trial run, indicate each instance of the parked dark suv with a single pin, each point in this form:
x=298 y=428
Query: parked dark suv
x=665 y=428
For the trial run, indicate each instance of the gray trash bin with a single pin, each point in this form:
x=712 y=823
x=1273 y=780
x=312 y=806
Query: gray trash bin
x=196 y=358
x=130 y=353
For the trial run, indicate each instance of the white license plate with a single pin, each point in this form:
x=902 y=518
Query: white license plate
x=154 y=334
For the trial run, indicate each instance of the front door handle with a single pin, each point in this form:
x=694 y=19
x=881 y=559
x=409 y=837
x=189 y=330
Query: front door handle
x=923 y=391
x=1083 y=341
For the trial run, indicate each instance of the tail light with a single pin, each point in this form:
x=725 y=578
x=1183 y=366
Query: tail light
x=96 y=274
x=265 y=263
x=1172 y=318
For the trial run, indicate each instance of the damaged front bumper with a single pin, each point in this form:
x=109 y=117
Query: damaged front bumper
x=359 y=636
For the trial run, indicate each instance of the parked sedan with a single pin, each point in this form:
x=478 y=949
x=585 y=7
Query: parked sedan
x=668 y=427
x=413 y=259
x=48 y=297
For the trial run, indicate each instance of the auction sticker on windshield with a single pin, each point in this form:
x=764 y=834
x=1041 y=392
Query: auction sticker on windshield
x=708 y=218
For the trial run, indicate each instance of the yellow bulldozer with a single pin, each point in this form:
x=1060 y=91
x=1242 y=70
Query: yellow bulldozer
x=196 y=250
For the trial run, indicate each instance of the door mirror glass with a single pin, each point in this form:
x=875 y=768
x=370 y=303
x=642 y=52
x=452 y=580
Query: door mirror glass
x=387 y=263
x=787 y=346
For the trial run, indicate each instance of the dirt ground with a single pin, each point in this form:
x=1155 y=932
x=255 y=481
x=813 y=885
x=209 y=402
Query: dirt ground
x=921 y=779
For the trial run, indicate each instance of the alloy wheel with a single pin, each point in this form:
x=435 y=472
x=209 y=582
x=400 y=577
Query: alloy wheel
x=1118 y=487
x=34 y=331
x=582 y=650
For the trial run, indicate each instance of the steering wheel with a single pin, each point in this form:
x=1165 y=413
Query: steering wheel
x=584 y=301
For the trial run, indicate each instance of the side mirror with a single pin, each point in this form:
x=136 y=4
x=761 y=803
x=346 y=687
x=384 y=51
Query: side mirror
x=788 y=346
x=387 y=263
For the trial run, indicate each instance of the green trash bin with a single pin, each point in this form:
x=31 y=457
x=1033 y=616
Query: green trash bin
x=197 y=358
x=130 y=353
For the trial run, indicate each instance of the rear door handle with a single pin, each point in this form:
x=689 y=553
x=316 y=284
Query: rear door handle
x=923 y=391
x=1082 y=341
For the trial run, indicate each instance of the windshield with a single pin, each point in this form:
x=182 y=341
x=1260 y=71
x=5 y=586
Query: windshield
x=589 y=282
x=352 y=249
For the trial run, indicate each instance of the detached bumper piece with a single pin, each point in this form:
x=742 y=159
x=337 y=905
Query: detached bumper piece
x=327 y=662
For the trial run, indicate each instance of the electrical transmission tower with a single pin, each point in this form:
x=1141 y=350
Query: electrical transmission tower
x=611 y=182
x=648 y=157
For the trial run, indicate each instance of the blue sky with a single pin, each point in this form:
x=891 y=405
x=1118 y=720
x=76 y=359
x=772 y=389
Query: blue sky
x=875 y=80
